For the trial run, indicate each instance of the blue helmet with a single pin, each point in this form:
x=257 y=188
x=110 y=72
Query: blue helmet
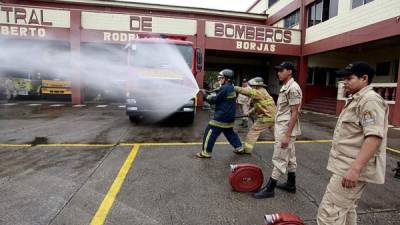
x=227 y=73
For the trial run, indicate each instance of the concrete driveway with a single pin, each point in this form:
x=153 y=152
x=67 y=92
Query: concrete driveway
x=90 y=165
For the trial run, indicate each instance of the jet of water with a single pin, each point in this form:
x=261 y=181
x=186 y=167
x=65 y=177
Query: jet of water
x=157 y=71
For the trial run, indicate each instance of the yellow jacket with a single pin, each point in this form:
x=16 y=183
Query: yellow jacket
x=263 y=104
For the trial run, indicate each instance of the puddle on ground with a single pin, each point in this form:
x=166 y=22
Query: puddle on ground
x=39 y=141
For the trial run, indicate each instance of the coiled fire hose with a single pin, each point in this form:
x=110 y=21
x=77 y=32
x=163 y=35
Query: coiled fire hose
x=283 y=218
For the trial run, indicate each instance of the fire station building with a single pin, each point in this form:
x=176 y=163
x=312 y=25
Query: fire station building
x=319 y=36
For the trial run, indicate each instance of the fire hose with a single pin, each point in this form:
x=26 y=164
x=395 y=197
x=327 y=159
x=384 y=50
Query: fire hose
x=283 y=218
x=248 y=178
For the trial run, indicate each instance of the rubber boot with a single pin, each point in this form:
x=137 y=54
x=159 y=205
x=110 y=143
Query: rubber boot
x=268 y=191
x=290 y=185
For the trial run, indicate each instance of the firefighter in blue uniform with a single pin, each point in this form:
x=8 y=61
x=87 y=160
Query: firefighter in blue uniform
x=224 y=116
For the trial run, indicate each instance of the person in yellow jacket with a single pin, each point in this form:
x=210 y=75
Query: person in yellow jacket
x=264 y=108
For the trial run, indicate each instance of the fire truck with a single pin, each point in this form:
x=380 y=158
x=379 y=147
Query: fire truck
x=149 y=77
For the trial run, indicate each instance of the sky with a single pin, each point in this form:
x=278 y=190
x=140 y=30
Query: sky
x=229 y=5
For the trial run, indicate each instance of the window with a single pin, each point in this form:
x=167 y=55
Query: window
x=311 y=15
x=310 y=76
x=271 y=2
x=292 y=19
x=318 y=12
x=322 y=76
x=356 y=3
x=383 y=69
x=333 y=8
x=325 y=12
x=321 y=10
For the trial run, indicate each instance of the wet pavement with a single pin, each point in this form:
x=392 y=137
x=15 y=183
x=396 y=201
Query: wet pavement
x=78 y=165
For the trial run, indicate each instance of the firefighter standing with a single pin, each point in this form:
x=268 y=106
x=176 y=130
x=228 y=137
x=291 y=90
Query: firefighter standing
x=264 y=108
x=224 y=116
x=286 y=129
x=244 y=103
x=358 y=153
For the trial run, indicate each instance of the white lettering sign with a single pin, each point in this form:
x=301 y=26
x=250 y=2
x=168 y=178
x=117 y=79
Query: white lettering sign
x=251 y=32
x=255 y=46
x=118 y=36
x=138 y=23
x=34 y=16
x=22 y=31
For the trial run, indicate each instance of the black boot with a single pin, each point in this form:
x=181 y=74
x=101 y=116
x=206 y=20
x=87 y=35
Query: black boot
x=290 y=185
x=267 y=191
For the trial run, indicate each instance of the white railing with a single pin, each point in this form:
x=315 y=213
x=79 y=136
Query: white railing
x=386 y=90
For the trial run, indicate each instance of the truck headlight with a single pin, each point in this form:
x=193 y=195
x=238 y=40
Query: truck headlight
x=131 y=101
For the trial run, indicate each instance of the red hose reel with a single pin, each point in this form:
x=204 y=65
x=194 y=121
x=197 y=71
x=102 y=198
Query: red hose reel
x=245 y=177
x=248 y=178
x=283 y=218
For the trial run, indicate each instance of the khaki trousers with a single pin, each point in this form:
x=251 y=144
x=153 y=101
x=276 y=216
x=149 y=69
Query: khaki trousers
x=244 y=109
x=254 y=133
x=338 y=206
x=283 y=159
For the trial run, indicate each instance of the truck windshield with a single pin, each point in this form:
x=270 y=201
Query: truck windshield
x=150 y=55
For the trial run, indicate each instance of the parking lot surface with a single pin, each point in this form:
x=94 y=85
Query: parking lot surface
x=90 y=165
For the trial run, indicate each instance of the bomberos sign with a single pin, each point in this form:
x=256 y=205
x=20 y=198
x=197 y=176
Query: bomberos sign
x=253 y=37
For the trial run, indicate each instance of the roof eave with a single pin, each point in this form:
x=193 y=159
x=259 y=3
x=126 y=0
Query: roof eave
x=169 y=8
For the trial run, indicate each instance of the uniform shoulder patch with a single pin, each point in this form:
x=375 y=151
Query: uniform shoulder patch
x=368 y=118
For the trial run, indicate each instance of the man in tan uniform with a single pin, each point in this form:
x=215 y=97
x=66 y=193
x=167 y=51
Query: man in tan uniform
x=287 y=127
x=264 y=108
x=358 y=153
x=244 y=102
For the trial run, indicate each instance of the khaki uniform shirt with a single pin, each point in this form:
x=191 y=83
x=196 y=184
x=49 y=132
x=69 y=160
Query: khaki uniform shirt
x=243 y=99
x=289 y=95
x=364 y=115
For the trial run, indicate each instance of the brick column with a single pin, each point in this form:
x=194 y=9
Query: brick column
x=201 y=43
x=75 y=47
x=303 y=60
x=396 y=111
x=302 y=67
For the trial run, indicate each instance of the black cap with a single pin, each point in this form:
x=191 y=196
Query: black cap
x=358 y=68
x=286 y=65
